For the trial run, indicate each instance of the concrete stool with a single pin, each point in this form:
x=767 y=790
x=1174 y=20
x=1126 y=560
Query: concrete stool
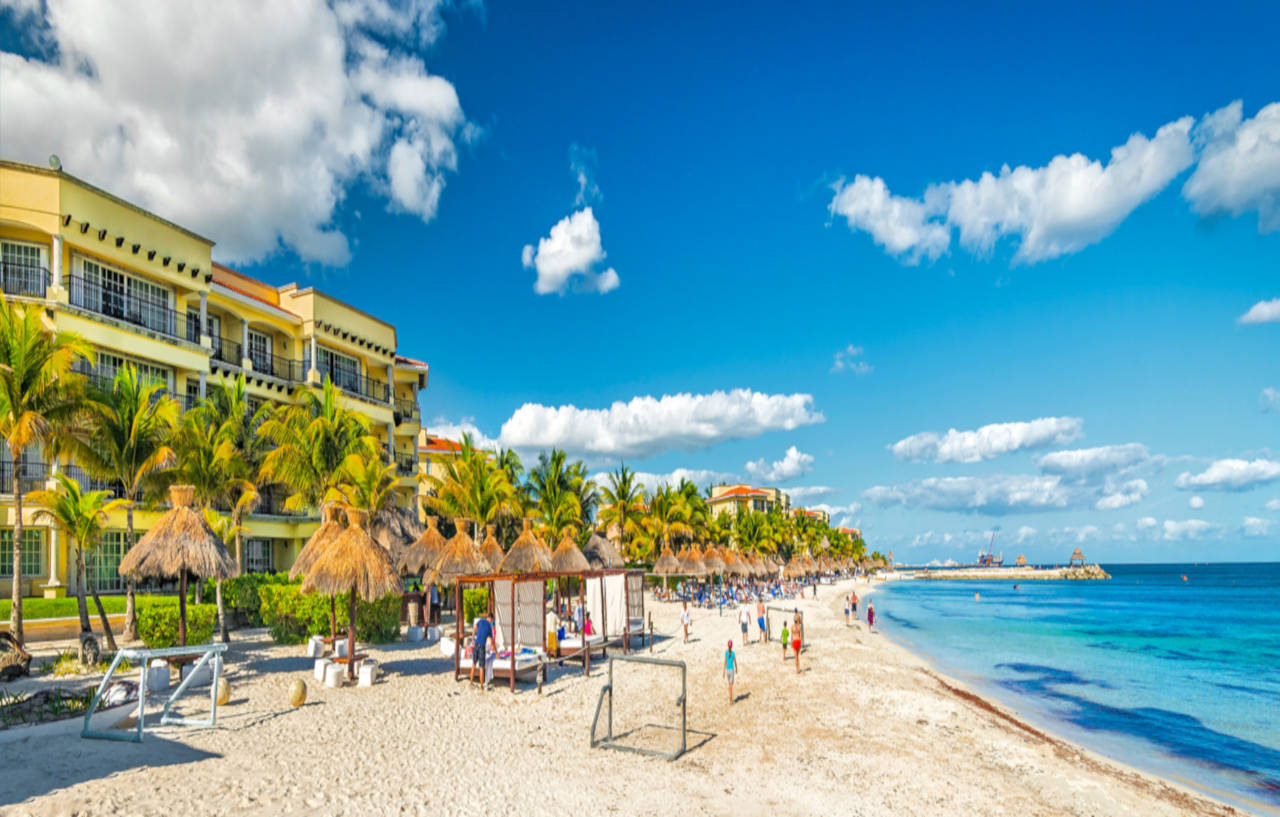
x=321 y=665
x=367 y=673
x=334 y=675
x=158 y=675
x=414 y=634
x=340 y=649
x=433 y=633
x=202 y=677
x=315 y=647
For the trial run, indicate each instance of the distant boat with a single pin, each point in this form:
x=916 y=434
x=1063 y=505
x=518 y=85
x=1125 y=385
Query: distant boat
x=989 y=559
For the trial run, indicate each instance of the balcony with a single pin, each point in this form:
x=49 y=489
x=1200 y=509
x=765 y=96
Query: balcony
x=88 y=483
x=31 y=476
x=19 y=278
x=406 y=466
x=227 y=351
x=279 y=367
x=365 y=388
x=112 y=302
x=406 y=411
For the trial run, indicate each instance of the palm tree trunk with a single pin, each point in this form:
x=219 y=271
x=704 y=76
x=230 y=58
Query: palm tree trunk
x=15 y=613
x=130 y=609
x=80 y=602
x=102 y=618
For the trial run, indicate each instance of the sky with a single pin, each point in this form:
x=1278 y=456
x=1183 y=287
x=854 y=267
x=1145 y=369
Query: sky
x=1006 y=270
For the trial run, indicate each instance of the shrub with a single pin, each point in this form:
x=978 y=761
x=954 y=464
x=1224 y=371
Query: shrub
x=158 y=625
x=240 y=595
x=475 y=600
x=292 y=616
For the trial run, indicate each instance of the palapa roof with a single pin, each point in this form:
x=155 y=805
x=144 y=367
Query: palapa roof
x=180 y=541
x=491 y=550
x=395 y=528
x=526 y=554
x=423 y=555
x=667 y=563
x=330 y=528
x=567 y=558
x=1077 y=554
x=691 y=562
x=353 y=561
x=600 y=552
x=713 y=561
x=825 y=544
x=461 y=558
x=1022 y=560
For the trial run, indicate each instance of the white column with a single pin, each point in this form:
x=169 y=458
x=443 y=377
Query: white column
x=204 y=317
x=202 y=385
x=53 y=558
x=244 y=345
x=391 y=384
x=391 y=442
x=315 y=362
x=55 y=262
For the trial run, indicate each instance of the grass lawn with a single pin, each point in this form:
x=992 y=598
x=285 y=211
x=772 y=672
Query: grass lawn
x=36 y=608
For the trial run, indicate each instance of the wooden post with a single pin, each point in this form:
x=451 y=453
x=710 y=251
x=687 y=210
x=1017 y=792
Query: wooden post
x=351 y=635
x=457 y=623
x=582 y=631
x=512 y=645
x=182 y=612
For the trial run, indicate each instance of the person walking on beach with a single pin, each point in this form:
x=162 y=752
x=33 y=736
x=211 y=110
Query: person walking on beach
x=797 y=638
x=853 y=605
x=730 y=668
x=846 y=611
x=744 y=621
x=871 y=615
x=786 y=634
x=764 y=635
x=484 y=636
x=685 y=619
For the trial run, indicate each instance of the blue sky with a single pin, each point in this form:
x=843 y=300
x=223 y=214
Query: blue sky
x=711 y=141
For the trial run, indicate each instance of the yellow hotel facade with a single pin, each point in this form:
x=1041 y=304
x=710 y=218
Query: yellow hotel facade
x=145 y=291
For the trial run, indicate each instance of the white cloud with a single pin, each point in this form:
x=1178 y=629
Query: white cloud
x=1195 y=503
x=849 y=359
x=449 y=430
x=1231 y=475
x=1262 y=312
x=988 y=441
x=794 y=463
x=1025 y=534
x=1147 y=522
x=1123 y=496
x=251 y=132
x=1254 y=526
x=582 y=164
x=651 y=481
x=1086 y=463
x=1059 y=208
x=837 y=510
x=1239 y=167
x=1273 y=505
x=1269 y=399
x=645 y=426
x=1187 y=529
x=995 y=494
x=565 y=259
x=809 y=491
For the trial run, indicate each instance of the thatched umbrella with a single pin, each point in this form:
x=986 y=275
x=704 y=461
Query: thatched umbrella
x=423 y=555
x=601 y=553
x=526 y=554
x=325 y=535
x=1022 y=560
x=567 y=558
x=691 y=562
x=491 y=550
x=667 y=563
x=713 y=561
x=179 y=544
x=357 y=564
x=461 y=558
x=396 y=529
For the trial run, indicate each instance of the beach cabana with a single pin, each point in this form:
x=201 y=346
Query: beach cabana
x=354 y=563
x=461 y=558
x=180 y=544
x=1077 y=557
x=519 y=625
x=491 y=550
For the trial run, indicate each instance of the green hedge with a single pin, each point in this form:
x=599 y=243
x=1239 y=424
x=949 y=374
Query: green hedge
x=475 y=600
x=293 y=616
x=240 y=595
x=158 y=625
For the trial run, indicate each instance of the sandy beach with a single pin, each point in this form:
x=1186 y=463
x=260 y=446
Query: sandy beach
x=865 y=729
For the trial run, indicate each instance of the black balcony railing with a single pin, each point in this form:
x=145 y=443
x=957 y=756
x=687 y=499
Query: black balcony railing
x=18 y=278
x=406 y=466
x=406 y=411
x=89 y=483
x=281 y=367
x=227 y=350
x=110 y=301
x=31 y=476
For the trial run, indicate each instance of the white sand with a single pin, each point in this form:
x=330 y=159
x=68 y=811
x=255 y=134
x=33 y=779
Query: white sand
x=866 y=729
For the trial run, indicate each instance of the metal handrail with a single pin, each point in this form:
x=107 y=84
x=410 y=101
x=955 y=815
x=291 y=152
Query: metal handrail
x=21 y=278
x=143 y=312
x=227 y=350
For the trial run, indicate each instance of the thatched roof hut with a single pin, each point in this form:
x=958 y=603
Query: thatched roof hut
x=691 y=562
x=178 y=545
x=491 y=550
x=423 y=555
x=667 y=564
x=526 y=555
x=330 y=528
x=713 y=561
x=395 y=528
x=461 y=558
x=567 y=558
x=1077 y=555
x=601 y=553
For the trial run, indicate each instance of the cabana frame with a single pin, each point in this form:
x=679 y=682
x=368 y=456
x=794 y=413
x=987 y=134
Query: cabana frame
x=511 y=671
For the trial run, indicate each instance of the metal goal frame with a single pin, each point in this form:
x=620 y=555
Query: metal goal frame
x=606 y=697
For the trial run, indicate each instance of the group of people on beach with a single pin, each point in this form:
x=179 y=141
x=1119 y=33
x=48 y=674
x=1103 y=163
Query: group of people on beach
x=851 y=611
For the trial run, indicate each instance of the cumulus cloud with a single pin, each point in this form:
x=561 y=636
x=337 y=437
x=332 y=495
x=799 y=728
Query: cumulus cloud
x=1231 y=475
x=1175 y=531
x=651 y=481
x=645 y=426
x=1052 y=210
x=1262 y=312
x=1088 y=463
x=582 y=164
x=849 y=359
x=566 y=259
x=1195 y=503
x=994 y=494
x=809 y=491
x=1273 y=505
x=449 y=430
x=837 y=510
x=988 y=441
x=794 y=463
x=250 y=133
x=1239 y=167
x=1254 y=526
x=1147 y=522
x=1122 y=496
x=1025 y=534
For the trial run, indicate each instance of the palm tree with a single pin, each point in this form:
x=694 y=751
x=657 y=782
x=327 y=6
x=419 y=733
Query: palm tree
x=81 y=516
x=127 y=442
x=474 y=486
x=38 y=391
x=368 y=483
x=624 y=504
x=230 y=407
x=668 y=516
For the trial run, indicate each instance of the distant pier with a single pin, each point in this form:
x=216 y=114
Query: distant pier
x=1017 y=574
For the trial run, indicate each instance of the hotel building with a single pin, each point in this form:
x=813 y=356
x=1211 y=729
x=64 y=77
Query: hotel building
x=146 y=291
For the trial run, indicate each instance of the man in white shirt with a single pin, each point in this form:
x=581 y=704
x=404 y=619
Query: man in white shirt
x=744 y=620
x=685 y=619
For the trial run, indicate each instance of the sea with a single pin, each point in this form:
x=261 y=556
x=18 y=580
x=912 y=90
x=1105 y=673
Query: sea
x=1171 y=668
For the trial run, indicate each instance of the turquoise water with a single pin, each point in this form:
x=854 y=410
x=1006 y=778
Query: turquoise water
x=1177 y=677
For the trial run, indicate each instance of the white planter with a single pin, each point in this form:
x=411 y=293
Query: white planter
x=315 y=647
x=201 y=677
x=340 y=649
x=321 y=665
x=368 y=673
x=157 y=675
x=414 y=634
x=335 y=675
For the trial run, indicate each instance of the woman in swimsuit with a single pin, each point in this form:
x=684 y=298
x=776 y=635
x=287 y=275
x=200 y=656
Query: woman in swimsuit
x=730 y=669
x=797 y=638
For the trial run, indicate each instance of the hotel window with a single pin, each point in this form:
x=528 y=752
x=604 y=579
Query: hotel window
x=32 y=547
x=260 y=351
x=193 y=393
x=213 y=327
x=343 y=370
x=23 y=268
x=257 y=556
x=110 y=292
x=104 y=566
x=108 y=364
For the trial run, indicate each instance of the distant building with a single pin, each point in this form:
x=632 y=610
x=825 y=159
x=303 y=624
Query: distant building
x=820 y=515
x=732 y=498
x=855 y=533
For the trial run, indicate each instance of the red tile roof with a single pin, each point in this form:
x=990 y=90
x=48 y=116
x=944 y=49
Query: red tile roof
x=402 y=359
x=739 y=491
x=440 y=444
